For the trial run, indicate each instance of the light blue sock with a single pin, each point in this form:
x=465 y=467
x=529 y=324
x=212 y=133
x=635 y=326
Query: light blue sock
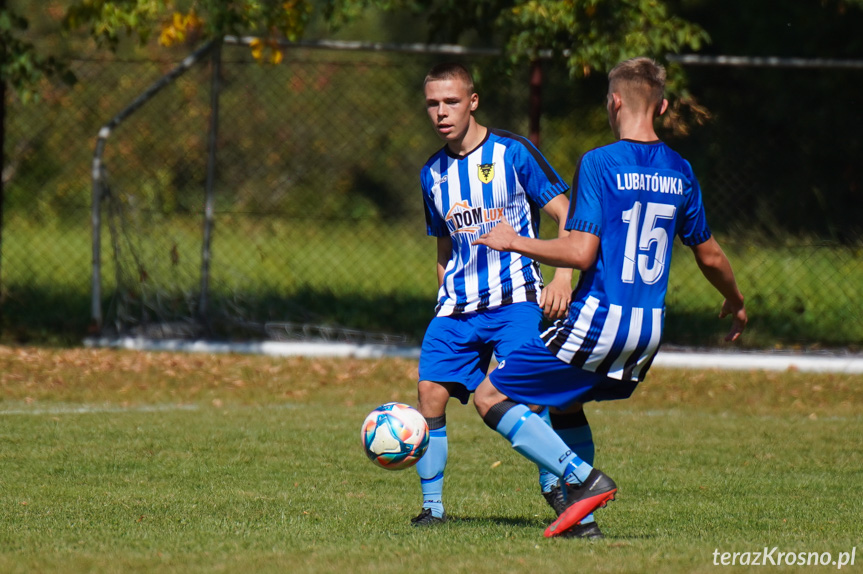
x=547 y=480
x=536 y=440
x=430 y=469
x=580 y=440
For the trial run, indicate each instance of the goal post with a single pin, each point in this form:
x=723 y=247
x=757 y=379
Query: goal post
x=99 y=175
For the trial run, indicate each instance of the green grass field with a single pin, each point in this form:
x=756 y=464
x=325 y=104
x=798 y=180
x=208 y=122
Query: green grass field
x=138 y=462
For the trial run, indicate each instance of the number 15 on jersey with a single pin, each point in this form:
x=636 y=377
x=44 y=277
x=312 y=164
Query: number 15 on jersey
x=641 y=235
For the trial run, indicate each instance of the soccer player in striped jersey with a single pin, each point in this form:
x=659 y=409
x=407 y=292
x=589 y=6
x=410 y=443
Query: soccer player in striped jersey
x=630 y=199
x=488 y=302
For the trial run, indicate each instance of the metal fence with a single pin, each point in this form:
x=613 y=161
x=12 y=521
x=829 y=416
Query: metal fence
x=294 y=210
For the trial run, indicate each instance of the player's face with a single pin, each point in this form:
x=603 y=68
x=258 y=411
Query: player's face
x=449 y=107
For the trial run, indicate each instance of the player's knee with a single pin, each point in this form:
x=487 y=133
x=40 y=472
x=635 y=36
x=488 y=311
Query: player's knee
x=432 y=398
x=496 y=411
x=485 y=397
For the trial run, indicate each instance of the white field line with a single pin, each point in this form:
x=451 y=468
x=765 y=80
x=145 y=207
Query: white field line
x=779 y=361
x=89 y=409
x=84 y=409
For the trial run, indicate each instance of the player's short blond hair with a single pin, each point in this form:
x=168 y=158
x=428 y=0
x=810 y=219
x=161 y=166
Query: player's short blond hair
x=450 y=71
x=638 y=80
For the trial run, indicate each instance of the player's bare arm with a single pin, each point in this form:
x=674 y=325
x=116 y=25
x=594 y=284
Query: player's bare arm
x=577 y=250
x=717 y=269
x=556 y=296
x=444 y=254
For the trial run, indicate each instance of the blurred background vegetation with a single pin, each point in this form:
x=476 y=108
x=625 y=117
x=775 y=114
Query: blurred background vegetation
x=318 y=227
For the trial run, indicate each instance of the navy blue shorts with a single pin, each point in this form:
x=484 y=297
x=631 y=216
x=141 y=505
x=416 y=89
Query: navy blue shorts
x=458 y=348
x=533 y=375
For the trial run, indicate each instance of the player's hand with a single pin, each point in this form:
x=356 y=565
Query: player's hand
x=738 y=319
x=556 y=297
x=500 y=237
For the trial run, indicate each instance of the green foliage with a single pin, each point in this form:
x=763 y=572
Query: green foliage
x=21 y=64
x=597 y=34
x=302 y=174
x=587 y=34
x=108 y=20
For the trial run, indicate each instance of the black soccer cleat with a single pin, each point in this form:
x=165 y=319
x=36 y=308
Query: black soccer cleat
x=586 y=531
x=595 y=492
x=426 y=518
x=555 y=500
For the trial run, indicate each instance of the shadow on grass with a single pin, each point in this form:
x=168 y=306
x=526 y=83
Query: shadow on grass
x=499 y=521
x=535 y=524
x=52 y=317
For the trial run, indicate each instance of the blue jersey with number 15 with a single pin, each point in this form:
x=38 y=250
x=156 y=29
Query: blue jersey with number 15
x=635 y=197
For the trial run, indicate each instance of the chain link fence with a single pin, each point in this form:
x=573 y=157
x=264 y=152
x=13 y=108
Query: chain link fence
x=304 y=219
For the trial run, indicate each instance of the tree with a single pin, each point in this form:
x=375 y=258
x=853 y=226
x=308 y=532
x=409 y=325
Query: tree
x=589 y=35
x=21 y=65
x=585 y=36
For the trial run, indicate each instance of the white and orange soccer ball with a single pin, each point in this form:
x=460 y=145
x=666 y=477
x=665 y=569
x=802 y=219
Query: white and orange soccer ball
x=395 y=436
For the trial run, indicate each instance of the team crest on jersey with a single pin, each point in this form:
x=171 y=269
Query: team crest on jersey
x=485 y=172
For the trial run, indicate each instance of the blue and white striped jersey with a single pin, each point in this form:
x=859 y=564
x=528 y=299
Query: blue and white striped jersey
x=635 y=197
x=505 y=176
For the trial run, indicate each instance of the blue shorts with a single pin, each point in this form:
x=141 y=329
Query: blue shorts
x=533 y=375
x=458 y=348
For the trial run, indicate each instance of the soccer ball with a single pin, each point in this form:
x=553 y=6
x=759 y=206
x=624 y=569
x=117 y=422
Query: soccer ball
x=395 y=436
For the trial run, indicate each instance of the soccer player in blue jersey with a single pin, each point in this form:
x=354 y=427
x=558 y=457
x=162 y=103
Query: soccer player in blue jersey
x=630 y=199
x=488 y=302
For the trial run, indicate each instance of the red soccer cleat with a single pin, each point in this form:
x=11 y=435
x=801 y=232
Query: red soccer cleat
x=593 y=493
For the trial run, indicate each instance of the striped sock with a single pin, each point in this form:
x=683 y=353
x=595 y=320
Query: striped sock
x=535 y=440
x=575 y=431
x=547 y=480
